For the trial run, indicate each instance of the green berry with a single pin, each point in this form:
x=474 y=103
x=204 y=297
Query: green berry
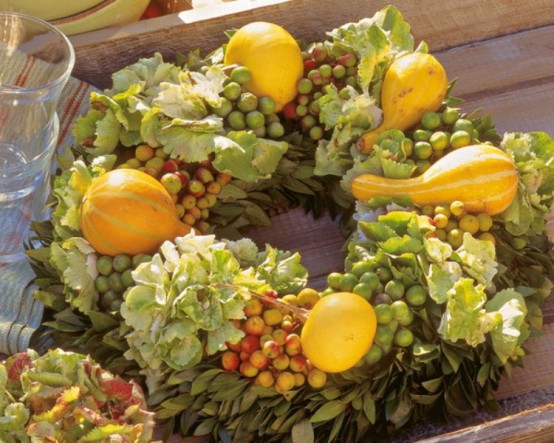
x=266 y=105
x=241 y=75
x=127 y=278
x=304 y=86
x=115 y=282
x=450 y=115
x=275 y=130
x=339 y=71
x=255 y=119
x=232 y=90
x=384 y=313
x=421 y=135
x=485 y=221
x=384 y=336
x=395 y=289
x=247 y=102
x=347 y=282
x=364 y=290
x=459 y=139
x=455 y=238
x=316 y=133
x=104 y=265
x=373 y=355
x=416 y=295
x=140 y=258
x=225 y=106
x=121 y=262
x=423 y=150
x=469 y=223
x=431 y=120
x=102 y=284
x=326 y=70
x=334 y=279
x=236 y=120
x=463 y=124
x=439 y=140
x=403 y=338
x=373 y=280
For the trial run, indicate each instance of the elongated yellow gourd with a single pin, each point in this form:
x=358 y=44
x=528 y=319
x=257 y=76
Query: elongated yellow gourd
x=483 y=177
x=413 y=85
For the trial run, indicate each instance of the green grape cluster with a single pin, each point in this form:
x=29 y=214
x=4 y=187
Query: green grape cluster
x=393 y=299
x=324 y=64
x=453 y=221
x=242 y=110
x=114 y=277
x=437 y=134
x=441 y=132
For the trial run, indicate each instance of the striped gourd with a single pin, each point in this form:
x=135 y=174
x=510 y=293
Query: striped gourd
x=483 y=177
x=126 y=211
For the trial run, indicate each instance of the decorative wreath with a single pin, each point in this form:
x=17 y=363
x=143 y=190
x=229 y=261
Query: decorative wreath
x=146 y=265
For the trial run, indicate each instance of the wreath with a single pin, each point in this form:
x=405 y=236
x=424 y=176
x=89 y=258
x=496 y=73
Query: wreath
x=440 y=290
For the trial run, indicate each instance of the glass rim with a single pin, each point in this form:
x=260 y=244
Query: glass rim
x=70 y=62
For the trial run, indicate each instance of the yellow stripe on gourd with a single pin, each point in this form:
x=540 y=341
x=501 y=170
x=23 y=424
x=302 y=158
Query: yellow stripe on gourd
x=483 y=177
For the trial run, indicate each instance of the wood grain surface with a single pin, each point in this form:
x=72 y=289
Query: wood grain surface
x=441 y=24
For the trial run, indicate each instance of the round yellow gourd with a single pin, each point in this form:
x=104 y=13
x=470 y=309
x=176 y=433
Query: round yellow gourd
x=126 y=211
x=273 y=57
x=338 y=332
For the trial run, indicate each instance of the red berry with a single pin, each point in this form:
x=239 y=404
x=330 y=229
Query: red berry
x=309 y=65
x=230 y=360
x=170 y=166
x=250 y=343
x=289 y=111
x=184 y=176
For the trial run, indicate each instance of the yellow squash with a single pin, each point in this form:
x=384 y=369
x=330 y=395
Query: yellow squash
x=126 y=211
x=413 y=85
x=273 y=57
x=483 y=177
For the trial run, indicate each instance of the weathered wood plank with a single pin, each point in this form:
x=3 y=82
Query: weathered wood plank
x=501 y=65
x=441 y=24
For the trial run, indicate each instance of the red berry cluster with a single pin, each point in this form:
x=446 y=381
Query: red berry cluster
x=270 y=353
x=322 y=67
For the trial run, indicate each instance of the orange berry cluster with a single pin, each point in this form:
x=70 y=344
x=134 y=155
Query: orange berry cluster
x=270 y=353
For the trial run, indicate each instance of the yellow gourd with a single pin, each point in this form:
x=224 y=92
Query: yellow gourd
x=126 y=211
x=483 y=177
x=338 y=332
x=273 y=57
x=413 y=85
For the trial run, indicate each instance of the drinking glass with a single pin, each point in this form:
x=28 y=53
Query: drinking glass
x=36 y=60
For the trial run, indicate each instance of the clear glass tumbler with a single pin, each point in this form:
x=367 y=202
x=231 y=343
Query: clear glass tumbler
x=36 y=60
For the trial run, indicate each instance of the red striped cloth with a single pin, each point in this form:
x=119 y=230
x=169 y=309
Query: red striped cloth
x=20 y=313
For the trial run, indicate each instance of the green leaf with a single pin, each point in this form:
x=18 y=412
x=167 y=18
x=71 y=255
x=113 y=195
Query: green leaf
x=369 y=407
x=303 y=432
x=101 y=321
x=328 y=411
x=201 y=383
